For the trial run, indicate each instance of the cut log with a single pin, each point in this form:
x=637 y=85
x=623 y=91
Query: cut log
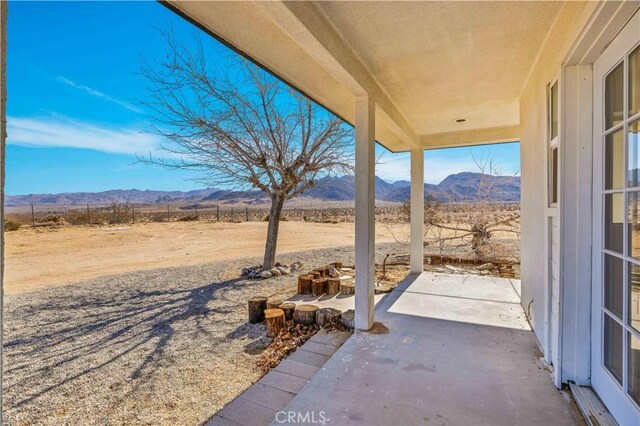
x=337 y=265
x=320 y=271
x=257 y=305
x=274 y=303
x=305 y=314
x=275 y=321
x=348 y=318
x=288 y=309
x=347 y=288
x=326 y=316
x=304 y=284
x=325 y=270
x=316 y=275
x=333 y=286
x=318 y=287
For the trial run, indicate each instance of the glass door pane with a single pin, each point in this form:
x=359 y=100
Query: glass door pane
x=614 y=97
x=634 y=82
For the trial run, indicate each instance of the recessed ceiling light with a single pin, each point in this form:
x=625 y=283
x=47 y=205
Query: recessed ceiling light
x=460 y=120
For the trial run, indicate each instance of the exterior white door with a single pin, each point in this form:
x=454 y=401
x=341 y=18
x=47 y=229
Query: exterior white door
x=615 y=344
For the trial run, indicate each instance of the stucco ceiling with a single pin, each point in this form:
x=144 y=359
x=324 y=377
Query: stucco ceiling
x=425 y=63
x=439 y=61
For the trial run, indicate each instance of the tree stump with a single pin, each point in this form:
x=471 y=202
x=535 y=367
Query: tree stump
x=305 y=314
x=304 y=284
x=318 y=287
x=333 y=286
x=288 y=309
x=325 y=270
x=257 y=305
x=273 y=303
x=315 y=274
x=348 y=318
x=326 y=316
x=337 y=265
x=320 y=271
x=347 y=288
x=275 y=321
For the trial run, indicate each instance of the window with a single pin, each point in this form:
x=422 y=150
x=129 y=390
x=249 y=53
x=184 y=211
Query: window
x=553 y=158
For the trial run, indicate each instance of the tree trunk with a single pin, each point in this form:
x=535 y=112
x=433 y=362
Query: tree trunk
x=288 y=309
x=333 y=286
x=277 y=201
x=275 y=321
x=318 y=287
x=257 y=305
x=305 y=314
x=304 y=284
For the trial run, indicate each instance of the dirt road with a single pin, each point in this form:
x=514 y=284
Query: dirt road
x=41 y=258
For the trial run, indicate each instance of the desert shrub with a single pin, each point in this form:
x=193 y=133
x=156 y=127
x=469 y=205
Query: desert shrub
x=188 y=218
x=52 y=219
x=78 y=217
x=10 y=225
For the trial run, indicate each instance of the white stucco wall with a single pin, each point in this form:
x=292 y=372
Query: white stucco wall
x=533 y=145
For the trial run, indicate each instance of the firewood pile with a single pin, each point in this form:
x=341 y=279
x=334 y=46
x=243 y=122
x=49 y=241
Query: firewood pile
x=331 y=279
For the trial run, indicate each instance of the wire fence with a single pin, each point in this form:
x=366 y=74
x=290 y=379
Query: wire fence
x=130 y=213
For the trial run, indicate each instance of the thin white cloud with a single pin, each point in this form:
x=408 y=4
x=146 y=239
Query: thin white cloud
x=61 y=131
x=98 y=94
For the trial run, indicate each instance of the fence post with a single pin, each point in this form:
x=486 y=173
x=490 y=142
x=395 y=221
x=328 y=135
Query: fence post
x=231 y=213
x=133 y=213
x=115 y=213
x=89 y=214
x=246 y=211
x=168 y=213
x=217 y=213
x=33 y=217
x=197 y=217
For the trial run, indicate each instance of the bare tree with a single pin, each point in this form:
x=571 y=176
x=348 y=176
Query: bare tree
x=242 y=127
x=477 y=219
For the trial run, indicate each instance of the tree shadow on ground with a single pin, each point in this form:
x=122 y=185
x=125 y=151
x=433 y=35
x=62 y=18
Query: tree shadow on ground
x=64 y=338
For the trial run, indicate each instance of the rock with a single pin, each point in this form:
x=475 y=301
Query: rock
x=275 y=272
x=286 y=271
x=295 y=266
x=266 y=274
x=333 y=272
x=486 y=267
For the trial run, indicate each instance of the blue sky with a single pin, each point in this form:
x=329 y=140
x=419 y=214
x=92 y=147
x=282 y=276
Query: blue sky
x=73 y=120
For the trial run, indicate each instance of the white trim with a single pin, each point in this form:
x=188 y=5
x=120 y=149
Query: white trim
x=613 y=395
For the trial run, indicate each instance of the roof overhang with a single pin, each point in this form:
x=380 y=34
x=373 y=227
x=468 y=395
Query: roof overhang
x=426 y=64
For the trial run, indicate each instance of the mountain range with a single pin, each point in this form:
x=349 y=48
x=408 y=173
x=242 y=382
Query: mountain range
x=457 y=187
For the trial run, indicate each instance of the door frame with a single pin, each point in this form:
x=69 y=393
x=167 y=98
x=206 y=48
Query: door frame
x=602 y=23
x=613 y=395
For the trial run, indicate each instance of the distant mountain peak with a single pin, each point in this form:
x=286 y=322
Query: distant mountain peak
x=463 y=186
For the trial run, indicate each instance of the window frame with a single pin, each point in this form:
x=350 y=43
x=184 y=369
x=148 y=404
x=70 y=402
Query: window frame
x=553 y=144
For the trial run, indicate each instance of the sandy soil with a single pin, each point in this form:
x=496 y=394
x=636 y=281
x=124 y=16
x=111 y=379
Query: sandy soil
x=42 y=258
x=168 y=346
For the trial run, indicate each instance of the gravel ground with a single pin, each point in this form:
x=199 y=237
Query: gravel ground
x=166 y=346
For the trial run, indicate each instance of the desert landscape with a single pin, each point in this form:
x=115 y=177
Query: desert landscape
x=147 y=321
x=52 y=256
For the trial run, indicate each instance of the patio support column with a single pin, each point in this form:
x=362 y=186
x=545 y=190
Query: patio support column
x=417 y=211
x=365 y=213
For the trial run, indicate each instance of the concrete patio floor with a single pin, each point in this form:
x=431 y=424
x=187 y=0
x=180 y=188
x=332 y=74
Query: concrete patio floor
x=446 y=349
